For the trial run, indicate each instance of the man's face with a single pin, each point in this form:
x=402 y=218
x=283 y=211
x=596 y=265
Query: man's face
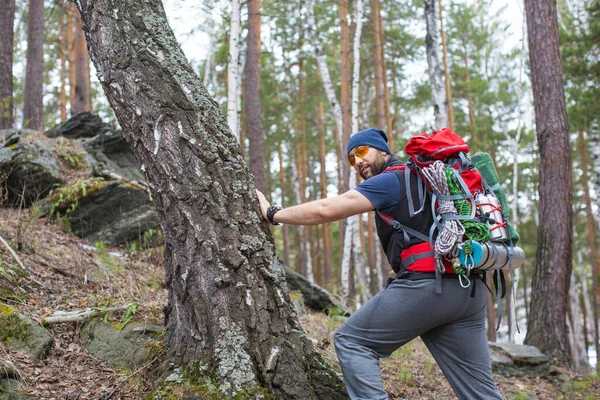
x=370 y=163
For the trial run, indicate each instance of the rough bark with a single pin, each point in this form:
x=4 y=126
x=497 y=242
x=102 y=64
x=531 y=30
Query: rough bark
x=434 y=62
x=233 y=69
x=33 y=96
x=7 y=17
x=83 y=99
x=228 y=310
x=591 y=235
x=546 y=326
x=254 y=125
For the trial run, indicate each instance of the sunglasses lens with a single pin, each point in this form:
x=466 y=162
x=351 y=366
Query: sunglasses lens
x=361 y=151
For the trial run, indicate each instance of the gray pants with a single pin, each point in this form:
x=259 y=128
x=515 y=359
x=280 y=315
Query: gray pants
x=452 y=325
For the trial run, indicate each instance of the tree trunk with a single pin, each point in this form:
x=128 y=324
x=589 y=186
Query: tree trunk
x=82 y=100
x=389 y=119
x=229 y=312
x=446 y=69
x=474 y=142
x=594 y=143
x=7 y=18
x=325 y=76
x=327 y=255
x=345 y=82
x=550 y=287
x=434 y=62
x=233 y=69
x=285 y=227
x=377 y=66
x=576 y=331
x=591 y=235
x=64 y=70
x=254 y=125
x=71 y=11
x=306 y=261
x=33 y=92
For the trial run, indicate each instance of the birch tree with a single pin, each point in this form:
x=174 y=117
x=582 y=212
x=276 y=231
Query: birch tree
x=229 y=317
x=233 y=69
x=434 y=63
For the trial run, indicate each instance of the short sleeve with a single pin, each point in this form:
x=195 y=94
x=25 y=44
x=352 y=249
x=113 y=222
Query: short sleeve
x=382 y=190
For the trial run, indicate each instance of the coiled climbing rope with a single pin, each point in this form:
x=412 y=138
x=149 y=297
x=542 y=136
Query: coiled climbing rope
x=452 y=231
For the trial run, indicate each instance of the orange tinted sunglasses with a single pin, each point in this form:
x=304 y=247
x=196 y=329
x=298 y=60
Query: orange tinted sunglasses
x=360 y=151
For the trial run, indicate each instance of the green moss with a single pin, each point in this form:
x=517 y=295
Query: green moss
x=582 y=388
x=65 y=199
x=69 y=155
x=197 y=382
x=12 y=326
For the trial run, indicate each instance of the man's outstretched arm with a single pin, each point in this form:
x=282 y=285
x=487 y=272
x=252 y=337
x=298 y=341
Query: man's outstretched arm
x=320 y=211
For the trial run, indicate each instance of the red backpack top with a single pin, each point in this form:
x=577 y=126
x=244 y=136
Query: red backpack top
x=440 y=145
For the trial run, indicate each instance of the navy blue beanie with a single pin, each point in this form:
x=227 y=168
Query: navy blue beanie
x=369 y=137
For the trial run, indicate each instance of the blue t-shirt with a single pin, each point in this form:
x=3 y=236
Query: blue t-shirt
x=382 y=190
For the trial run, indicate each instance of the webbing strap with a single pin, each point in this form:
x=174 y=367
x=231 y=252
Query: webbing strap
x=408 y=261
x=398 y=226
x=438 y=280
x=420 y=191
x=497 y=284
x=511 y=253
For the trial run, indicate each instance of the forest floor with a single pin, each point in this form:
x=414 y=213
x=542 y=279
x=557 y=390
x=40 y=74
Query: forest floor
x=67 y=273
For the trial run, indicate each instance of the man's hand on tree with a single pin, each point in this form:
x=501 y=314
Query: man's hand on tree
x=264 y=203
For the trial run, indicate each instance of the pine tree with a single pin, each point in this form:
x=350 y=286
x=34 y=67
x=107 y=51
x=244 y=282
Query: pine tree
x=7 y=17
x=33 y=107
x=546 y=326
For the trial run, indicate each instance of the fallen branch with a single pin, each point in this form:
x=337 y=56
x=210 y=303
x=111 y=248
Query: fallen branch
x=12 y=252
x=60 y=317
x=108 y=396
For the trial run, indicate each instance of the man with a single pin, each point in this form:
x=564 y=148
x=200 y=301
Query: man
x=451 y=321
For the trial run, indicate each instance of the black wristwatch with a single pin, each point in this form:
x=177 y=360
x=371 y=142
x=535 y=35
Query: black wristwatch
x=273 y=208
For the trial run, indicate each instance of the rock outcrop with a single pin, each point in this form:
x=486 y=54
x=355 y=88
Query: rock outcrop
x=116 y=213
x=31 y=170
x=509 y=359
x=82 y=125
x=119 y=348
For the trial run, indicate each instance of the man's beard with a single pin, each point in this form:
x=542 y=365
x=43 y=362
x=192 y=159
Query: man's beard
x=369 y=169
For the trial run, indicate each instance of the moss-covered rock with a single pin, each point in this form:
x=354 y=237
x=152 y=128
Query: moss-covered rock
x=19 y=332
x=31 y=170
x=120 y=348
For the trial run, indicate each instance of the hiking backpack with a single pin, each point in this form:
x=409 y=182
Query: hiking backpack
x=470 y=230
